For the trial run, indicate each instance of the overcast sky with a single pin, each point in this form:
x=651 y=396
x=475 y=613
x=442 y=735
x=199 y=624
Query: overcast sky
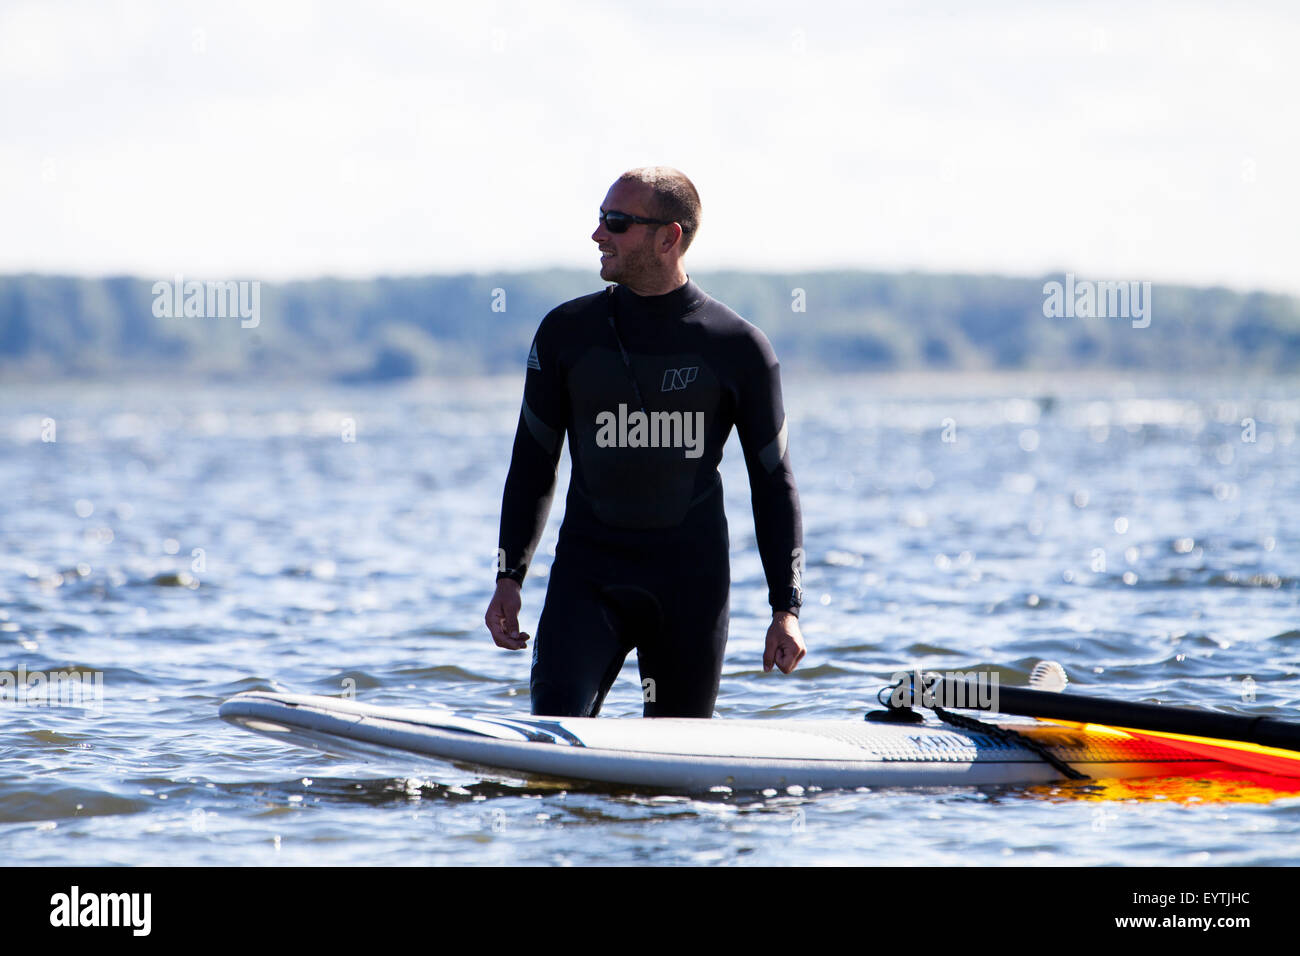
x=271 y=139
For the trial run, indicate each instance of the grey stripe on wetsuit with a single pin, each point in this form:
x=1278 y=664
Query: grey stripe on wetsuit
x=546 y=436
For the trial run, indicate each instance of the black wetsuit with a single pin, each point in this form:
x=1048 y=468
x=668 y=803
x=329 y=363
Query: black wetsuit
x=642 y=556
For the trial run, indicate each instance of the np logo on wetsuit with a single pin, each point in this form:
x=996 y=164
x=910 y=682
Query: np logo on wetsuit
x=653 y=430
x=679 y=378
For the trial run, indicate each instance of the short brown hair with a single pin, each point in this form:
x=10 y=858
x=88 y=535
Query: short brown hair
x=674 y=197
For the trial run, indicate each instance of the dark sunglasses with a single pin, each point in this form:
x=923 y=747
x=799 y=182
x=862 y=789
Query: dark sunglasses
x=618 y=222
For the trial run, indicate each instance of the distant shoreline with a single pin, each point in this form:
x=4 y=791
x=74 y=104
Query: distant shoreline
x=354 y=331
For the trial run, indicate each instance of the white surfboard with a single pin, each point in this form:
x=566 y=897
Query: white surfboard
x=695 y=755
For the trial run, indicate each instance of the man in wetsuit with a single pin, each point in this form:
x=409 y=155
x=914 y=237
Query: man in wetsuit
x=647 y=378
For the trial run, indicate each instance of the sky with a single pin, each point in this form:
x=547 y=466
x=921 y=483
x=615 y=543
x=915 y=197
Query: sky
x=273 y=140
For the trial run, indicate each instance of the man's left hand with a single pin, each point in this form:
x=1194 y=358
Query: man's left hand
x=785 y=647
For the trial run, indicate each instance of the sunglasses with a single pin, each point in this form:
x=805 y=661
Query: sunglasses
x=618 y=222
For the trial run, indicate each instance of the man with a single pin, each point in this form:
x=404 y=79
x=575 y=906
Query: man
x=647 y=378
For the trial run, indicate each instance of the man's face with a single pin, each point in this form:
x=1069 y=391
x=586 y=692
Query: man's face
x=627 y=257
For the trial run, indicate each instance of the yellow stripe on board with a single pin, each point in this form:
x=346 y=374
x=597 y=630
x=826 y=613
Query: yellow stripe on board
x=1239 y=752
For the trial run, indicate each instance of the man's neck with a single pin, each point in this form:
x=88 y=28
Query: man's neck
x=647 y=287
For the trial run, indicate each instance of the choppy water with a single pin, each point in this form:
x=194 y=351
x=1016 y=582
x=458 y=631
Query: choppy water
x=190 y=544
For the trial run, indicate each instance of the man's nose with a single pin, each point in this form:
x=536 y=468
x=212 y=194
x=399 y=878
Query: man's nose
x=601 y=233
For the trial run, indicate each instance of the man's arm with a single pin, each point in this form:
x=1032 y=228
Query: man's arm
x=778 y=526
x=530 y=483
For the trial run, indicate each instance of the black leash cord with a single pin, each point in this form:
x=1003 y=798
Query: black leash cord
x=1004 y=734
x=1009 y=736
x=627 y=362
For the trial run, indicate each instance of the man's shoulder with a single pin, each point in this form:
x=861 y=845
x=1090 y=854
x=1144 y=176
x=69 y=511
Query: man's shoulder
x=724 y=317
x=569 y=317
x=583 y=305
x=728 y=324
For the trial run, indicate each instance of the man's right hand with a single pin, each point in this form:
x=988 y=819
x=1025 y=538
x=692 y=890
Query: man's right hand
x=502 y=616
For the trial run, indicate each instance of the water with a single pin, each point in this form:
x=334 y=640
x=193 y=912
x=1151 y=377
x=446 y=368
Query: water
x=189 y=544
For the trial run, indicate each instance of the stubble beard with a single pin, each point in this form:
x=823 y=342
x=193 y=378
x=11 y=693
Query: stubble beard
x=633 y=266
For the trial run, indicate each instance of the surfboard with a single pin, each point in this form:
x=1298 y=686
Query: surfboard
x=694 y=755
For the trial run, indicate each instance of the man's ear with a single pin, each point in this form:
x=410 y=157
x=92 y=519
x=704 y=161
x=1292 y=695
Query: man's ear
x=672 y=236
